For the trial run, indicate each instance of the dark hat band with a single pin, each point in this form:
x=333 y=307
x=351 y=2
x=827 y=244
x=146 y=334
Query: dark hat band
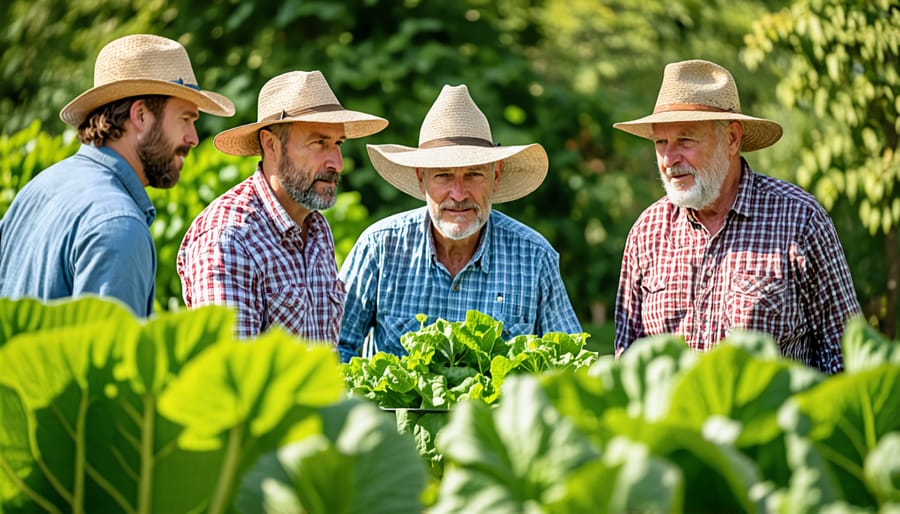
x=310 y=110
x=456 y=141
x=688 y=107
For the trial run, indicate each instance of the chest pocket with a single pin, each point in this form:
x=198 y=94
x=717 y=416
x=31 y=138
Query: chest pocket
x=662 y=309
x=757 y=302
x=291 y=308
x=396 y=326
x=516 y=313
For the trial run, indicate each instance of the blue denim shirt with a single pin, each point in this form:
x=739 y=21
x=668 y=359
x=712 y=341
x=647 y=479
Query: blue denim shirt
x=81 y=227
x=392 y=273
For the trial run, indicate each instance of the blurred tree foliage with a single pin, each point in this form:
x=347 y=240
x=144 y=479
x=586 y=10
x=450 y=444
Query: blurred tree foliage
x=838 y=64
x=558 y=72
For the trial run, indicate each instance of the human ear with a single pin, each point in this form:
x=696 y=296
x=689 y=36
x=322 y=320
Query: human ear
x=138 y=114
x=421 y=180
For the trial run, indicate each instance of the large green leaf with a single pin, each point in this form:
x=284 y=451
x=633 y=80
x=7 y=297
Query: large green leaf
x=513 y=458
x=728 y=383
x=31 y=315
x=63 y=378
x=717 y=477
x=864 y=347
x=642 y=379
x=845 y=418
x=254 y=383
x=250 y=397
x=627 y=479
x=88 y=376
x=882 y=469
x=168 y=341
x=360 y=463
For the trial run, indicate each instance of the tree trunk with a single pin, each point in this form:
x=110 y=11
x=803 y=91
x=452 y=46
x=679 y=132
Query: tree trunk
x=889 y=324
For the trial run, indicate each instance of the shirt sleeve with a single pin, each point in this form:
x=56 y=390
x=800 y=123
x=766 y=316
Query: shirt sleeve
x=116 y=258
x=360 y=276
x=216 y=269
x=829 y=294
x=555 y=313
x=628 y=298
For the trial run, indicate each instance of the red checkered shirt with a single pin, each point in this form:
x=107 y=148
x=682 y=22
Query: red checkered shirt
x=776 y=266
x=244 y=250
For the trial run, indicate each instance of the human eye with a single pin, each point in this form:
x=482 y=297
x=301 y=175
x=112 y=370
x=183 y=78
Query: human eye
x=688 y=142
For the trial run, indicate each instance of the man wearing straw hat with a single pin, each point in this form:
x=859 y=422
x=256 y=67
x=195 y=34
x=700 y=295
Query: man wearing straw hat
x=455 y=253
x=82 y=226
x=263 y=247
x=728 y=248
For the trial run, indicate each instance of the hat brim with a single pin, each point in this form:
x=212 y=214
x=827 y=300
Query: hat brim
x=524 y=167
x=243 y=140
x=77 y=111
x=758 y=133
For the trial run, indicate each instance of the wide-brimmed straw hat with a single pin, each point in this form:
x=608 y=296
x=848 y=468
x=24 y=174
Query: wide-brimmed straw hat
x=698 y=90
x=138 y=65
x=456 y=133
x=296 y=96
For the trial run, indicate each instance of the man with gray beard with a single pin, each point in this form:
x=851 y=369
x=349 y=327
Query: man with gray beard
x=263 y=247
x=454 y=254
x=728 y=248
x=81 y=227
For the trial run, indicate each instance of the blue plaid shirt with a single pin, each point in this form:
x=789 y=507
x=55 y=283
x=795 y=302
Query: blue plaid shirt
x=392 y=274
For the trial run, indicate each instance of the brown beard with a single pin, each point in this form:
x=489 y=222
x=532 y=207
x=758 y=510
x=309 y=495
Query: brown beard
x=157 y=156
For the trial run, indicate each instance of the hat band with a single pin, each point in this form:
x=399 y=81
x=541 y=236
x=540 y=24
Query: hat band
x=310 y=110
x=180 y=81
x=688 y=107
x=456 y=141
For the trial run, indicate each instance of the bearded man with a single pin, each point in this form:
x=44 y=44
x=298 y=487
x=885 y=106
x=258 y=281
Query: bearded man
x=728 y=248
x=456 y=253
x=263 y=247
x=81 y=227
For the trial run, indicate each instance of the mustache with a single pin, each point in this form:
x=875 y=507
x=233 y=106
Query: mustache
x=458 y=205
x=328 y=176
x=680 y=170
x=183 y=150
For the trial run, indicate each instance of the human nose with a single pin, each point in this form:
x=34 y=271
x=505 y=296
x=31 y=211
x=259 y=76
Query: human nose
x=668 y=154
x=458 y=189
x=335 y=160
x=191 y=138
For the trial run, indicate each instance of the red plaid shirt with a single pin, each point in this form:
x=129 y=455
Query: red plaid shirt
x=776 y=266
x=244 y=250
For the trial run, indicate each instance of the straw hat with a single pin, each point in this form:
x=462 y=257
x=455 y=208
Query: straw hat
x=292 y=97
x=698 y=90
x=138 y=65
x=456 y=133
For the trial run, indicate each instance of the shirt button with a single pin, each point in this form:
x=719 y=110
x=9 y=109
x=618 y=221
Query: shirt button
x=456 y=287
x=709 y=272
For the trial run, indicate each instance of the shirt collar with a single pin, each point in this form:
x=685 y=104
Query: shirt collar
x=124 y=173
x=273 y=207
x=482 y=256
x=743 y=201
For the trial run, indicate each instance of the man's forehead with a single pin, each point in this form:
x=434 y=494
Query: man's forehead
x=472 y=167
x=682 y=127
x=319 y=130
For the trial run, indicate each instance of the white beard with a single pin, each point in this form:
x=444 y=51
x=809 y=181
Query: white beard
x=707 y=181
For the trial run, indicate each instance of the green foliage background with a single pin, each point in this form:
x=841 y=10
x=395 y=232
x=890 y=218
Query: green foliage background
x=559 y=72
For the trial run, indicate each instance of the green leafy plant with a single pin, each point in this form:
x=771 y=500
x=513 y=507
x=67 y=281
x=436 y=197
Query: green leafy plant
x=666 y=429
x=447 y=362
x=106 y=413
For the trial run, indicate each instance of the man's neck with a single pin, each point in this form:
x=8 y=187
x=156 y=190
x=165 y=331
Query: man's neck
x=126 y=147
x=454 y=254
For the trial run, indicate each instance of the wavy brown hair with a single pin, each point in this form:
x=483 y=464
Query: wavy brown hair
x=107 y=123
